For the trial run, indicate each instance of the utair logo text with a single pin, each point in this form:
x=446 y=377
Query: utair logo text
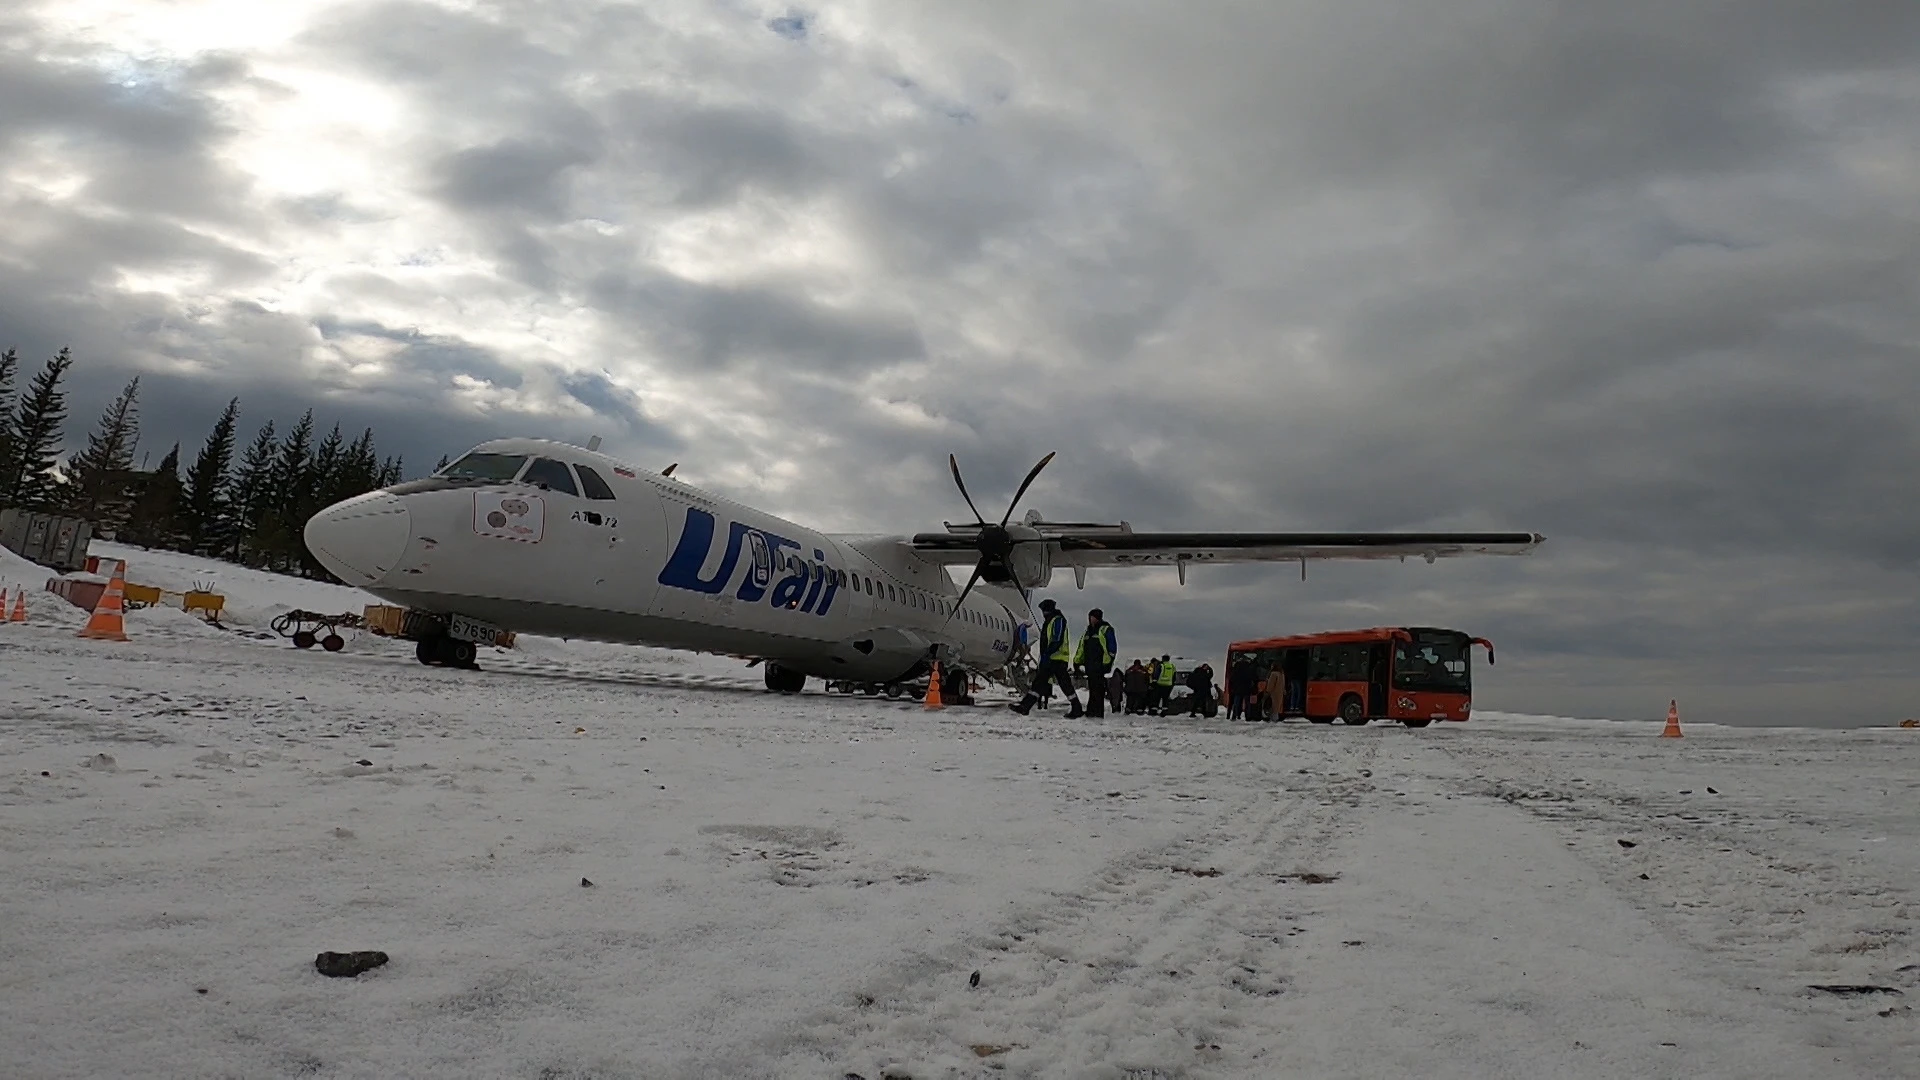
x=807 y=587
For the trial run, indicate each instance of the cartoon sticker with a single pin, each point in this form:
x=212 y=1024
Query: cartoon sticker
x=509 y=516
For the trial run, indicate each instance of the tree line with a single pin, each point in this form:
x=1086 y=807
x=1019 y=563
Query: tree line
x=252 y=509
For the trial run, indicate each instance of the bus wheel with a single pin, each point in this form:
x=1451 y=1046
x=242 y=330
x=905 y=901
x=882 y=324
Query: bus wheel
x=1417 y=721
x=1353 y=711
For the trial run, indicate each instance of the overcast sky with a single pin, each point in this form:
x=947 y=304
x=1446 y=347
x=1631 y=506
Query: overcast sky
x=1639 y=275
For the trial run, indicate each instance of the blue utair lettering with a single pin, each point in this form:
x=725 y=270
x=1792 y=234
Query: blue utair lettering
x=765 y=560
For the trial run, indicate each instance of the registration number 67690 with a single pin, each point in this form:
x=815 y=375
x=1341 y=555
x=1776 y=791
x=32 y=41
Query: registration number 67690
x=462 y=628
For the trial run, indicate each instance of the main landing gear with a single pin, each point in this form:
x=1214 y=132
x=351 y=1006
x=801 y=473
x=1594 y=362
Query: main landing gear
x=443 y=651
x=782 y=681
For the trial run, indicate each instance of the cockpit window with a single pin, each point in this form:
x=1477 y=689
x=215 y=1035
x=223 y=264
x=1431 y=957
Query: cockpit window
x=478 y=466
x=550 y=474
x=592 y=485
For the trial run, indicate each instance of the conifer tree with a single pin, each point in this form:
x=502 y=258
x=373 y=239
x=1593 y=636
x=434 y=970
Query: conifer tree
x=444 y=459
x=9 y=366
x=36 y=436
x=205 y=510
x=98 y=478
x=278 y=536
x=154 y=520
x=251 y=497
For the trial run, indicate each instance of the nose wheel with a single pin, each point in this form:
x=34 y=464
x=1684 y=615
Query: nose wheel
x=443 y=651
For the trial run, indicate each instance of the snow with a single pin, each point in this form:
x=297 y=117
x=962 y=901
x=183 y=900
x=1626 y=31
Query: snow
x=802 y=886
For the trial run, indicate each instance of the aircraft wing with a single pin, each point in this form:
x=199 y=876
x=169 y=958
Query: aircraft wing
x=1089 y=546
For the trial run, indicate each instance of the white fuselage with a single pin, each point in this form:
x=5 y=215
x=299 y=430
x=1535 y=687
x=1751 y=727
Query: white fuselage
x=658 y=563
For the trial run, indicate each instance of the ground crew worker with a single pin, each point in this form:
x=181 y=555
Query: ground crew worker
x=1094 y=655
x=1163 y=679
x=1053 y=663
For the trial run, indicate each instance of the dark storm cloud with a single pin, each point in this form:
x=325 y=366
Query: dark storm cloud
x=740 y=326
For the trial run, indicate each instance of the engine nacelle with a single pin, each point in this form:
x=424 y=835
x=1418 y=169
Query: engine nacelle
x=1032 y=564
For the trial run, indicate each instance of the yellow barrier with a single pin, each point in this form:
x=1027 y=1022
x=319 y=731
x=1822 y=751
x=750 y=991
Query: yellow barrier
x=211 y=603
x=140 y=595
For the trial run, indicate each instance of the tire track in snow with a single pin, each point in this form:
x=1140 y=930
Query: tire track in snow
x=1153 y=968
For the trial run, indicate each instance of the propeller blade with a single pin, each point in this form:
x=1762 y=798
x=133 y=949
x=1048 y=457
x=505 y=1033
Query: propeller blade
x=1024 y=485
x=971 y=582
x=954 y=464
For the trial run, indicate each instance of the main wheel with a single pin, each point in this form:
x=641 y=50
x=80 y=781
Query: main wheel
x=461 y=653
x=427 y=651
x=782 y=681
x=895 y=690
x=1353 y=711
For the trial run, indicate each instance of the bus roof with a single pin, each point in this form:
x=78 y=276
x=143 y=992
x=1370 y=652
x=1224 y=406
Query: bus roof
x=1336 y=637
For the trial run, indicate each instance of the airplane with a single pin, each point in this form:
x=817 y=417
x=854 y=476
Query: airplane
x=542 y=537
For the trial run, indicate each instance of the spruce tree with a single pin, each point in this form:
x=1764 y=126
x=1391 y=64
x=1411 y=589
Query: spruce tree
x=205 y=510
x=98 y=478
x=36 y=436
x=155 y=517
x=251 y=496
x=9 y=365
x=289 y=483
x=443 y=464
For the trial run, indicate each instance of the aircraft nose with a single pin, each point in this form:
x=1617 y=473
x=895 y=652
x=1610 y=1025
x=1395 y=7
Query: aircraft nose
x=362 y=538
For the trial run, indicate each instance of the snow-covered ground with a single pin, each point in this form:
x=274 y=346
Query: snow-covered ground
x=803 y=887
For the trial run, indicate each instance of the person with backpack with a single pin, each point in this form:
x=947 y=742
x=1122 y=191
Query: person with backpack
x=1093 y=656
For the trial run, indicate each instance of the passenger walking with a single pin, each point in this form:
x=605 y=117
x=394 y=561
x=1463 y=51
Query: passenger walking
x=1239 y=686
x=1053 y=663
x=1200 y=681
x=1093 y=656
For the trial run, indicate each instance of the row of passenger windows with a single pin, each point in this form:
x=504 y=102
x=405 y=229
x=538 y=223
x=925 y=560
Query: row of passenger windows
x=913 y=598
x=558 y=476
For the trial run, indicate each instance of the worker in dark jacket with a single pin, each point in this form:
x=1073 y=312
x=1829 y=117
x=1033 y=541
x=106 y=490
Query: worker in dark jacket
x=1200 y=681
x=1139 y=685
x=1093 y=656
x=1054 y=651
x=1116 y=689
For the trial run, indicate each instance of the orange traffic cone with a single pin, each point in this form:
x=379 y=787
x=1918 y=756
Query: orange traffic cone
x=19 y=606
x=106 y=624
x=1673 y=721
x=933 y=689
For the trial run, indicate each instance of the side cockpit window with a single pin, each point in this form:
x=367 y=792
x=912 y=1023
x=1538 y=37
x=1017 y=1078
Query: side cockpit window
x=487 y=467
x=550 y=474
x=592 y=485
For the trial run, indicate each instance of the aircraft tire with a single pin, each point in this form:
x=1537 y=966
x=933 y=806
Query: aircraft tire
x=303 y=639
x=782 y=681
x=895 y=690
x=427 y=651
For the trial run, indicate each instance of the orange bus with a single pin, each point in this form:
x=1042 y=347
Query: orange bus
x=1413 y=674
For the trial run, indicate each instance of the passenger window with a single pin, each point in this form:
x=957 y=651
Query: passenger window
x=550 y=474
x=591 y=483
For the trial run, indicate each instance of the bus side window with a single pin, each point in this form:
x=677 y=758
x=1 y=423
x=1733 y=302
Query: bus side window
x=1320 y=663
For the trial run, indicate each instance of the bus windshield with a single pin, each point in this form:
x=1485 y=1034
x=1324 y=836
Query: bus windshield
x=1432 y=662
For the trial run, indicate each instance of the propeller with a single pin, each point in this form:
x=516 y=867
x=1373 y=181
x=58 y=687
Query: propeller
x=995 y=543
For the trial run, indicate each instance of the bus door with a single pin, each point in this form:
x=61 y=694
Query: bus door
x=1295 y=667
x=1378 y=670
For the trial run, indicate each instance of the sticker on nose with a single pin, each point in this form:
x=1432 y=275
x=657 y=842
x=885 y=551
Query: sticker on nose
x=510 y=517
